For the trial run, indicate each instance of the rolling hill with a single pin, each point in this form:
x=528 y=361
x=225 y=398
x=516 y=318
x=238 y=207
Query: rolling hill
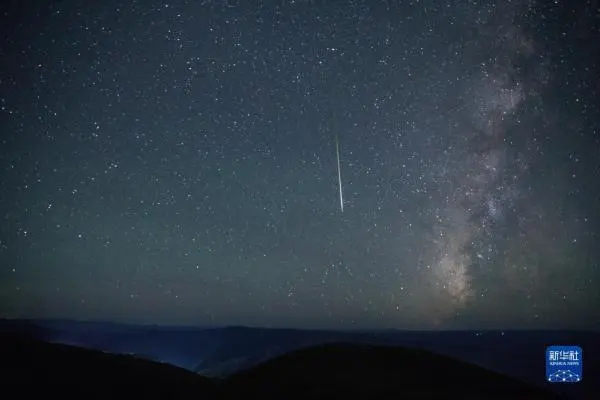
x=35 y=367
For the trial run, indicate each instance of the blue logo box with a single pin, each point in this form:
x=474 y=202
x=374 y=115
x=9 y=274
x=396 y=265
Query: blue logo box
x=564 y=364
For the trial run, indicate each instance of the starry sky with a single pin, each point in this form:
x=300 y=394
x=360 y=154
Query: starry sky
x=174 y=162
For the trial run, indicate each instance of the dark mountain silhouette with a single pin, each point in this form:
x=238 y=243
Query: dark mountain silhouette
x=221 y=352
x=375 y=372
x=27 y=329
x=329 y=371
x=34 y=368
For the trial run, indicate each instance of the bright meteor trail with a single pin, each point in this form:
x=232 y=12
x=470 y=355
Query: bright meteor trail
x=337 y=151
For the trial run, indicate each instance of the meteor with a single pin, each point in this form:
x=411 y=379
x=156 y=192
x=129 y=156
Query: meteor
x=337 y=152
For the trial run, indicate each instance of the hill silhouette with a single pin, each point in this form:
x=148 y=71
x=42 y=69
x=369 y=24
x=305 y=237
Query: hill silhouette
x=36 y=367
x=325 y=371
x=375 y=372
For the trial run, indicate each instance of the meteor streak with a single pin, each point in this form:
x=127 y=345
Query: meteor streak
x=337 y=151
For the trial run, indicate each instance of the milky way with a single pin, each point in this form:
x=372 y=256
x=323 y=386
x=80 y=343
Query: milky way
x=175 y=162
x=477 y=193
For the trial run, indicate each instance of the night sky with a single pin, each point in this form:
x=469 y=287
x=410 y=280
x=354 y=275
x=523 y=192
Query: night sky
x=174 y=162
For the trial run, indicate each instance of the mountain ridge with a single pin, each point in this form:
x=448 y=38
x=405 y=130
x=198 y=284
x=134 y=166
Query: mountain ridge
x=57 y=369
